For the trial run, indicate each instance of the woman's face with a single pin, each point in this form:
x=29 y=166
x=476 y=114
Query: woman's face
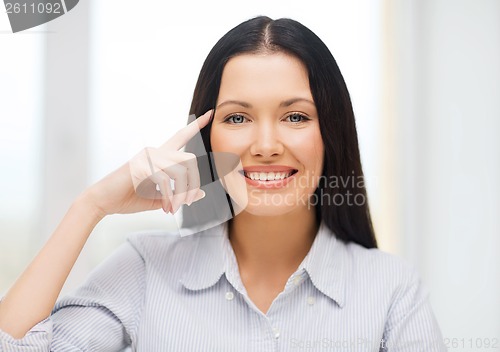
x=266 y=115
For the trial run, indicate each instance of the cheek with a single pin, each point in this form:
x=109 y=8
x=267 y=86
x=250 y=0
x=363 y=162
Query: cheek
x=215 y=139
x=222 y=140
x=309 y=149
x=319 y=151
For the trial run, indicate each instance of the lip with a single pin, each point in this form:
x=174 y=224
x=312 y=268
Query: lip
x=268 y=168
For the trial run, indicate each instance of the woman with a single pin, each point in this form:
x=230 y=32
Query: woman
x=296 y=268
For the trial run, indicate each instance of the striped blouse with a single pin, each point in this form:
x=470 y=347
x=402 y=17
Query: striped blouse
x=160 y=292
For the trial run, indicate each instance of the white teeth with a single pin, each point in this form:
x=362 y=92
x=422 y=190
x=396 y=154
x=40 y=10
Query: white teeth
x=267 y=176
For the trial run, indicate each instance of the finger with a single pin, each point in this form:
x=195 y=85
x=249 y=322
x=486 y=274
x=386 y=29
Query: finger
x=186 y=177
x=183 y=136
x=179 y=174
x=193 y=178
x=166 y=192
x=182 y=168
x=140 y=169
x=199 y=195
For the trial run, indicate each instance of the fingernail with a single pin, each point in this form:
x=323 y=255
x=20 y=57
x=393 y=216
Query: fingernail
x=173 y=207
x=211 y=113
x=164 y=206
x=198 y=197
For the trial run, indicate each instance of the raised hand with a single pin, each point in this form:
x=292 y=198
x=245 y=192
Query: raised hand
x=144 y=182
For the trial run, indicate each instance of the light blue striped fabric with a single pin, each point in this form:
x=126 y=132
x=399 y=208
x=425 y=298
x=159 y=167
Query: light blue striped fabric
x=161 y=292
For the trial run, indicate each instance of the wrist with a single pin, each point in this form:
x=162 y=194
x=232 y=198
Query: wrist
x=86 y=203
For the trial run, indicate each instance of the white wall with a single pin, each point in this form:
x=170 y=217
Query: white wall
x=445 y=79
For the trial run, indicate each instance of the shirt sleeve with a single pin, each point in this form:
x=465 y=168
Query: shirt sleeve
x=36 y=340
x=102 y=315
x=411 y=324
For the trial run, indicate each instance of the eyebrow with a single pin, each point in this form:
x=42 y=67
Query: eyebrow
x=282 y=104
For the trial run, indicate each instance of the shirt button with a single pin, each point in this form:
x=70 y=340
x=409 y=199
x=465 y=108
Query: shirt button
x=229 y=295
x=297 y=280
x=276 y=333
x=311 y=300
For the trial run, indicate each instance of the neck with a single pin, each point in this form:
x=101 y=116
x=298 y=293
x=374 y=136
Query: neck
x=277 y=242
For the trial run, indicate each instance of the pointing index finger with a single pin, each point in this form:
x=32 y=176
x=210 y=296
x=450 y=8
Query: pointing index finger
x=183 y=136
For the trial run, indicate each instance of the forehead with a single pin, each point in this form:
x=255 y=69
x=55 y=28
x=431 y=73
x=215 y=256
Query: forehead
x=258 y=76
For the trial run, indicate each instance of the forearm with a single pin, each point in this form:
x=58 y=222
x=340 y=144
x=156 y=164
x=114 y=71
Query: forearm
x=33 y=295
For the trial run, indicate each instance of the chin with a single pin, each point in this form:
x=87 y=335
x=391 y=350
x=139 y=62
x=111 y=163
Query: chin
x=273 y=205
x=268 y=211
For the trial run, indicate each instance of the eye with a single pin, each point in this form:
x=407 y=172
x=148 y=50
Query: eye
x=235 y=119
x=297 y=118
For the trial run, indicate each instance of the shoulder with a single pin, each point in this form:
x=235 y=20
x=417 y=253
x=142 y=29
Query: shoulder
x=357 y=263
x=376 y=263
x=150 y=243
x=389 y=291
x=383 y=276
x=163 y=247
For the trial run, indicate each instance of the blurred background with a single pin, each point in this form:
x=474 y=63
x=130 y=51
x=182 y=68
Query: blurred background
x=81 y=95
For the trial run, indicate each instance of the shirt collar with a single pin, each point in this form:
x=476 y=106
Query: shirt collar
x=212 y=256
x=206 y=264
x=326 y=265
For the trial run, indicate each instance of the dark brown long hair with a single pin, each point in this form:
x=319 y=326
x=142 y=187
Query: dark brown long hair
x=343 y=204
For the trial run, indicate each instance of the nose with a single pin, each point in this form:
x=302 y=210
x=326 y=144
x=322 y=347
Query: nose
x=267 y=141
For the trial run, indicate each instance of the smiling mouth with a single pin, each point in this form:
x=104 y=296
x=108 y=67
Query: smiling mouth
x=268 y=176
